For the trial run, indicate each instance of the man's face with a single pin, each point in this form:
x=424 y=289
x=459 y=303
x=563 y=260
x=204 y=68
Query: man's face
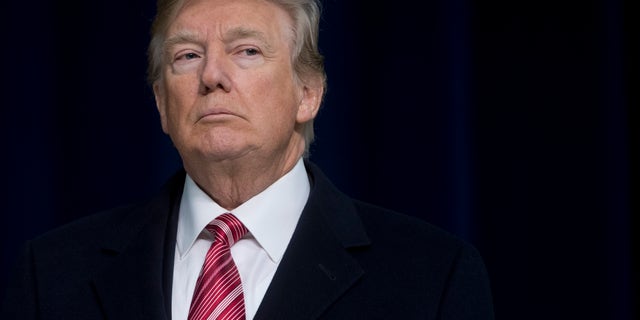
x=228 y=87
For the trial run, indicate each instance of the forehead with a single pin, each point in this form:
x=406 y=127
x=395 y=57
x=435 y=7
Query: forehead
x=220 y=17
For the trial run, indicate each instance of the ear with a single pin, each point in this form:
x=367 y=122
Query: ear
x=311 y=99
x=158 y=93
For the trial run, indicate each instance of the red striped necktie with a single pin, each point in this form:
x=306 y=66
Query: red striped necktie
x=218 y=293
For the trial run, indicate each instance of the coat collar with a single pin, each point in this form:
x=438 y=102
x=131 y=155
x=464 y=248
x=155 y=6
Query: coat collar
x=316 y=270
x=317 y=267
x=132 y=286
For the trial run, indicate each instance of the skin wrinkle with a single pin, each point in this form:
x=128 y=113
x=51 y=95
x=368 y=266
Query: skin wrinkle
x=234 y=34
x=237 y=119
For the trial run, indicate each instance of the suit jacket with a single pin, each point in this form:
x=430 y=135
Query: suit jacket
x=346 y=260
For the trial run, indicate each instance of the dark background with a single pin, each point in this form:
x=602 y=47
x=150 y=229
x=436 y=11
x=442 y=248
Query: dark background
x=513 y=124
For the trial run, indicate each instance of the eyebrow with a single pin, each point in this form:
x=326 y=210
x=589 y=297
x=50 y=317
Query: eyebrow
x=230 y=35
x=242 y=32
x=238 y=33
x=181 y=37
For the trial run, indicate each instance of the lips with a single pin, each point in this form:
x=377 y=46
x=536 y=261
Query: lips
x=213 y=113
x=217 y=112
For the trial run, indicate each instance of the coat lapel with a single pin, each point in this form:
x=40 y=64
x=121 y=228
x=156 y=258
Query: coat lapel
x=317 y=267
x=136 y=282
x=316 y=270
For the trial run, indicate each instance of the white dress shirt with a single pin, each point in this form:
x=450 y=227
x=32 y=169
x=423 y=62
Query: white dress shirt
x=271 y=217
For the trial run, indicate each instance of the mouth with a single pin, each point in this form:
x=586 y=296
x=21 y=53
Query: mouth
x=216 y=114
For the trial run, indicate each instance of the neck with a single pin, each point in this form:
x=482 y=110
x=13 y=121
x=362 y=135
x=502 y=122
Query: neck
x=232 y=183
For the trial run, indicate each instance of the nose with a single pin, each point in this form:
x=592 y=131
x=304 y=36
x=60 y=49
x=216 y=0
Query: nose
x=215 y=75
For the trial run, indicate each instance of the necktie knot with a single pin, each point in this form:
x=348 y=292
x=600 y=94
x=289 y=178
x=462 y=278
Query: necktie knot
x=227 y=229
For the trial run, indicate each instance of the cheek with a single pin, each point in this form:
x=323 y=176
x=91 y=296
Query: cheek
x=273 y=110
x=278 y=103
x=180 y=96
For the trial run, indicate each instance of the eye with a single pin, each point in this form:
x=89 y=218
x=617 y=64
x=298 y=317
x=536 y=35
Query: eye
x=188 y=56
x=246 y=56
x=251 y=51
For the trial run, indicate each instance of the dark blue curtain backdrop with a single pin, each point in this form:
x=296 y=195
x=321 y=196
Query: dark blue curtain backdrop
x=513 y=124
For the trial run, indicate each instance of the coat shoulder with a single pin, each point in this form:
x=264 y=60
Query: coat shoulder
x=396 y=227
x=81 y=231
x=443 y=272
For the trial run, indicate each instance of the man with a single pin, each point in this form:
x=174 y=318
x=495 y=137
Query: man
x=237 y=85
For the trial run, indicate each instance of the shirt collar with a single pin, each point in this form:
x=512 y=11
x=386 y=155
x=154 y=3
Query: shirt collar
x=271 y=216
